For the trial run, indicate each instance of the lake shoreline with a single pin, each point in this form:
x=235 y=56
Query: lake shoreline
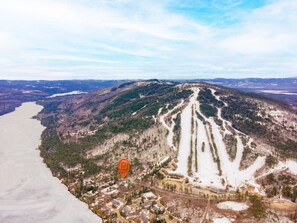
x=33 y=194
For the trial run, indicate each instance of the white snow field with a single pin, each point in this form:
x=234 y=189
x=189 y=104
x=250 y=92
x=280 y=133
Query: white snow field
x=207 y=169
x=28 y=191
x=289 y=165
x=230 y=169
x=222 y=220
x=208 y=173
x=185 y=139
x=235 y=206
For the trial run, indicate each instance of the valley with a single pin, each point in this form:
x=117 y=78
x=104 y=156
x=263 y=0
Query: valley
x=14 y=92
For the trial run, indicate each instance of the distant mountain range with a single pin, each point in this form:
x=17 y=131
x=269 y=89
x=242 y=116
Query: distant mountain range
x=14 y=92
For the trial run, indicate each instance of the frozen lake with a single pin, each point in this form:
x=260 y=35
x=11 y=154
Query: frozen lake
x=28 y=191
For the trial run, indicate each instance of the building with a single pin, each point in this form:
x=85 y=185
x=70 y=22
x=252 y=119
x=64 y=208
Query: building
x=127 y=211
x=144 y=216
x=157 y=209
x=149 y=196
x=146 y=204
x=116 y=203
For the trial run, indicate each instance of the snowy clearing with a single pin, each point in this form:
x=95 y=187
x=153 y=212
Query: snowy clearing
x=235 y=206
x=222 y=220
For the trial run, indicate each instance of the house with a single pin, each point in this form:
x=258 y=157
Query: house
x=217 y=190
x=149 y=196
x=144 y=216
x=104 y=185
x=127 y=211
x=88 y=181
x=160 y=218
x=105 y=208
x=157 y=209
x=111 y=190
x=174 y=175
x=146 y=204
x=116 y=203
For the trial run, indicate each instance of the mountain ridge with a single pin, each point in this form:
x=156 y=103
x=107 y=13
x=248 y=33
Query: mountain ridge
x=215 y=137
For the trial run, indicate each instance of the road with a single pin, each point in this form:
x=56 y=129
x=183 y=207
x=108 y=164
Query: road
x=205 y=212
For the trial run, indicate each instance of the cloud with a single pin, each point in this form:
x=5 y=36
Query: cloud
x=268 y=30
x=74 y=58
x=8 y=42
x=50 y=39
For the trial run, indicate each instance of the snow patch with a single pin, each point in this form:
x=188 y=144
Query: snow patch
x=222 y=220
x=170 y=127
x=235 y=206
x=289 y=165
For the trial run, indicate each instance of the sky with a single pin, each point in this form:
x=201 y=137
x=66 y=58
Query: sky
x=142 y=39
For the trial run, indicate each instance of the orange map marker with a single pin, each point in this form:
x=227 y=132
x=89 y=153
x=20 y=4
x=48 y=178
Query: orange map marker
x=124 y=167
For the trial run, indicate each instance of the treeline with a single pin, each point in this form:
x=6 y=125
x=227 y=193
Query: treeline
x=243 y=115
x=58 y=155
x=149 y=98
x=116 y=117
x=282 y=184
x=208 y=103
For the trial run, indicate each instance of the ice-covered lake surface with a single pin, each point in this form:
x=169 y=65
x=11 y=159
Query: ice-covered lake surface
x=67 y=93
x=277 y=92
x=28 y=191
